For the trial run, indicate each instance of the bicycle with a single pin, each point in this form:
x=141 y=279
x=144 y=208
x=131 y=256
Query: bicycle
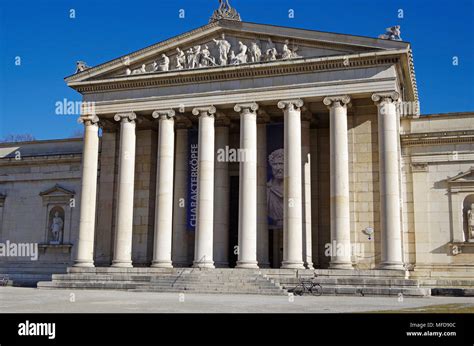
x=308 y=286
x=4 y=280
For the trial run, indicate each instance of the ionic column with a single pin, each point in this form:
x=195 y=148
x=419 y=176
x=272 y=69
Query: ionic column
x=389 y=180
x=292 y=195
x=126 y=181
x=221 y=194
x=247 y=257
x=164 y=190
x=179 y=253
x=203 y=251
x=339 y=182
x=90 y=155
x=306 y=168
x=262 y=214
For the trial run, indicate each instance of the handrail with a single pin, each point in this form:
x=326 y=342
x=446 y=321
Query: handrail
x=180 y=274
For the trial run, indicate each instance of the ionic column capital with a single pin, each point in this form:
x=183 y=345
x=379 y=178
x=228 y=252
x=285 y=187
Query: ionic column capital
x=290 y=105
x=337 y=101
x=164 y=114
x=245 y=108
x=88 y=120
x=125 y=117
x=205 y=111
x=385 y=97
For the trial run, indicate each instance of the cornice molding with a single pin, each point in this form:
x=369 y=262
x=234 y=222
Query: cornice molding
x=444 y=137
x=245 y=71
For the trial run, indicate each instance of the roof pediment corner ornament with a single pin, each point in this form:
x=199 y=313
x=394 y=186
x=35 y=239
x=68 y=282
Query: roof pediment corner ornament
x=393 y=33
x=81 y=66
x=225 y=11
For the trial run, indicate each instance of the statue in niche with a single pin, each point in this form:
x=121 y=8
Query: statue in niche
x=470 y=223
x=224 y=49
x=275 y=188
x=56 y=228
x=392 y=33
x=255 y=52
x=163 y=65
x=180 y=59
x=241 y=57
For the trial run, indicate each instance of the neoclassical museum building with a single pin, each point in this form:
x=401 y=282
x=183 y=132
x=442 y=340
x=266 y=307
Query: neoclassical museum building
x=248 y=146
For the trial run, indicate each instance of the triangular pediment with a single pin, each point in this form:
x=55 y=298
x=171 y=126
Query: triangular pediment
x=463 y=177
x=248 y=44
x=57 y=190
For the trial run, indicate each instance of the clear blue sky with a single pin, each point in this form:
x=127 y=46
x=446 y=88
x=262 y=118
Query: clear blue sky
x=49 y=43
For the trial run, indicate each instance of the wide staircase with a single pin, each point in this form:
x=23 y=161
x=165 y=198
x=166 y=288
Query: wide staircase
x=353 y=282
x=191 y=280
x=239 y=281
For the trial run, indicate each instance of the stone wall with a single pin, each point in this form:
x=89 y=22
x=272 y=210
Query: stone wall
x=37 y=179
x=435 y=149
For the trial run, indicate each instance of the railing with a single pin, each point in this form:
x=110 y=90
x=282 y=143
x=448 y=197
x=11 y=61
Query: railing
x=192 y=270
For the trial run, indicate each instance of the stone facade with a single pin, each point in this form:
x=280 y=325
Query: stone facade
x=393 y=190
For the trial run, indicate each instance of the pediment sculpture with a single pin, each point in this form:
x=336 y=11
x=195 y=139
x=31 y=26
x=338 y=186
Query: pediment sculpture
x=200 y=56
x=392 y=33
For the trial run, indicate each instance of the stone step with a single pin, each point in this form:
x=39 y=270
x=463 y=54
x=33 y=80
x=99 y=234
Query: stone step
x=148 y=278
x=201 y=290
x=355 y=281
x=376 y=291
x=467 y=275
x=447 y=282
x=453 y=292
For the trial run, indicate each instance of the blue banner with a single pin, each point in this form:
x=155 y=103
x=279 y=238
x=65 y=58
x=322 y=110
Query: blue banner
x=275 y=175
x=191 y=213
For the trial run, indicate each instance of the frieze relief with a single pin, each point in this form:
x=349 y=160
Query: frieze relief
x=221 y=51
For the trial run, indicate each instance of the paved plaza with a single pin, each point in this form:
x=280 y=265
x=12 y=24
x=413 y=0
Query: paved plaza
x=31 y=300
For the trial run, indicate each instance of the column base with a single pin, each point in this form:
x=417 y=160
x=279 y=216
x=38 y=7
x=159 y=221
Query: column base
x=341 y=265
x=392 y=266
x=83 y=264
x=247 y=265
x=308 y=265
x=122 y=264
x=209 y=265
x=292 y=265
x=161 y=264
